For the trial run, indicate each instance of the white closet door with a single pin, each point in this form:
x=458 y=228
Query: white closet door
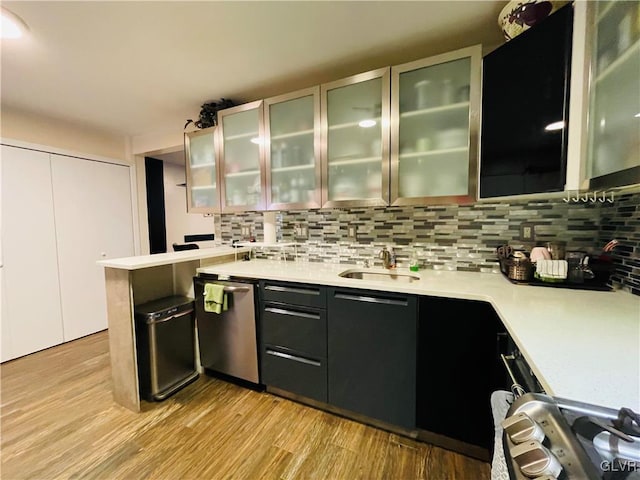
x=93 y=222
x=31 y=317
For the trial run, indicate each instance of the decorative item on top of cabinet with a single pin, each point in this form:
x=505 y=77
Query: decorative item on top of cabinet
x=203 y=195
x=434 y=128
x=355 y=133
x=292 y=150
x=614 y=103
x=525 y=105
x=242 y=172
x=519 y=15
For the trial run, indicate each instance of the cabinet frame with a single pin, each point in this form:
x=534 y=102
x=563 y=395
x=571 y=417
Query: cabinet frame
x=317 y=149
x=224 y=208
x=621 y=178
x=385 y=74
x=187 y=150
x=475 y=54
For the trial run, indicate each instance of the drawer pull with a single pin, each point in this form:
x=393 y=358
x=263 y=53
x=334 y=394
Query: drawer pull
x=303 y=291
x=293 y=357
x=282 y=311
x=363 y=298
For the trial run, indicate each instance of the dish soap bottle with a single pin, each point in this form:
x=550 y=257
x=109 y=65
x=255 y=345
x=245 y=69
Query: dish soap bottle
x=414 y=264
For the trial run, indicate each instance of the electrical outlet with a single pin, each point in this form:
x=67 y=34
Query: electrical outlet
x=352 y=232
x=527 y=232
x=300 y=231
x=245 y=230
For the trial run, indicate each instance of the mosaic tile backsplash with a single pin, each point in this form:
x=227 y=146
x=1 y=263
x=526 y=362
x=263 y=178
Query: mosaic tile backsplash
x=454 y=237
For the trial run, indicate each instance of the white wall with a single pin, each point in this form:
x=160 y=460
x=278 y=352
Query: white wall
x=28 y=127
x=179 y=222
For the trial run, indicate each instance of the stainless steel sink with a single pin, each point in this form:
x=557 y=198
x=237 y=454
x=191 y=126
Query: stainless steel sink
x=380 y=275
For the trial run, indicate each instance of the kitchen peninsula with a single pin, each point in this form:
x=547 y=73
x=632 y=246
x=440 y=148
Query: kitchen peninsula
x=582 y=345
x=132 y=281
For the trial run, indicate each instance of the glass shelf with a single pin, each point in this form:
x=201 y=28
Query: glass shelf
x=629 y=55
x=429 y=111
x=355 y=124
x=285 y=136
x=242 y=174
x=203 y=165
x=294 y=168
x=430 y=153
x=241 y=136
x=353 y=161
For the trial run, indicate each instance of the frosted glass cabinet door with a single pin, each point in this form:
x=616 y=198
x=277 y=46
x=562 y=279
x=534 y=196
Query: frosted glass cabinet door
x=355 y=126
x=241 y=157
x=614 y=110
x=202 y=179
x=292 y=153
x=434 y=133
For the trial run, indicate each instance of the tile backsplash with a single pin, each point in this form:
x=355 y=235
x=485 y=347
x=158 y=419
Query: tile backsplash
x=455 y=237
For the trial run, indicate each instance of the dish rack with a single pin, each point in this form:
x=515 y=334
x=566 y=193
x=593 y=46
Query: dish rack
x=601 y=268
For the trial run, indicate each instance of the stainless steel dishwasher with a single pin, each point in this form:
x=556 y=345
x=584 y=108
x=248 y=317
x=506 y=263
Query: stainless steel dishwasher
x=228 y=341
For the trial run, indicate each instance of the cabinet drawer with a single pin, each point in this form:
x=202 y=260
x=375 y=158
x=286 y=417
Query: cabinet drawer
x=295 y=374
x=304 y=331
x=294 y=294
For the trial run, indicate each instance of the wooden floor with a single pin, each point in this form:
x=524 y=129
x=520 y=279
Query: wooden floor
x=58 y=420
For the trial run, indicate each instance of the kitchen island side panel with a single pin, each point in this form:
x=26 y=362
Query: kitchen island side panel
x=122 y=341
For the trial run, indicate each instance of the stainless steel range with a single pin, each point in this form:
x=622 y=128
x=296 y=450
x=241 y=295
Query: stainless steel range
x=550 y=438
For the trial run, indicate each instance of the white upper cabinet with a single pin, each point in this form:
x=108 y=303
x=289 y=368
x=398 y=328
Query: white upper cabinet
x=434 y=128
x=292 y=150
x=242 y=157
x=203 y=194
x=355 y=137
x=613 y=152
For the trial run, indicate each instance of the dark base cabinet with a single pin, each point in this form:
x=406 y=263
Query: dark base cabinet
x=458 y=368
x=372 y=354
x=293 y=349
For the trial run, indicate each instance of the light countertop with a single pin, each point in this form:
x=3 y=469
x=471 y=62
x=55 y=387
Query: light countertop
x=145 y=261
x=582 y=345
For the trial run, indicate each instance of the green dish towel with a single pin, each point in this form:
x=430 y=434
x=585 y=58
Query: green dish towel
x=215 y=300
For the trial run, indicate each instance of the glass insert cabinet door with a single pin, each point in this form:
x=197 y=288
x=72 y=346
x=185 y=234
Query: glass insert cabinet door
x=434 y=128
x=355 y=128
x=241 y=151
x=614 y=104
x=201 y=171
x=292 y=150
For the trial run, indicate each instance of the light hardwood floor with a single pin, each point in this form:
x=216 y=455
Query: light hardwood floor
x=58 y=420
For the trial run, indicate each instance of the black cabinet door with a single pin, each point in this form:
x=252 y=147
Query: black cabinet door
x=294 y=373
x=525 y=110
x=372 y=354
x=458 y=368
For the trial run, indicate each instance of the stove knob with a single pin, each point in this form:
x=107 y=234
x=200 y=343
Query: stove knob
x=535 y=460
x=521 y=428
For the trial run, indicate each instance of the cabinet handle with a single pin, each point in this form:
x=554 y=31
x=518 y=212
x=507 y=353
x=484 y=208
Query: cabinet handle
x=303 y=291
x=293 y=357
x=363 y=298
x=293 y=313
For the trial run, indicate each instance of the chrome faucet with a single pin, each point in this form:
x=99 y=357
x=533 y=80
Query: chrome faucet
x=386 y=257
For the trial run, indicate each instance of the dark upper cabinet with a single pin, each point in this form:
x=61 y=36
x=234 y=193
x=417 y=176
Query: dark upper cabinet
x=525 y=110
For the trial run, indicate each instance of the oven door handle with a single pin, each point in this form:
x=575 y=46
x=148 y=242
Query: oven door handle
x=516 y=388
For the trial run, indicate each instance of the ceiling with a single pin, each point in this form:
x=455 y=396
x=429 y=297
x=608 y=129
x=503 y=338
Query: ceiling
x=143 y=68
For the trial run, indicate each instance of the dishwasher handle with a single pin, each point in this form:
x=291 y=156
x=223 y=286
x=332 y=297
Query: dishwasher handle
x=236 y=289
x=227 y=288
x=166 y=319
